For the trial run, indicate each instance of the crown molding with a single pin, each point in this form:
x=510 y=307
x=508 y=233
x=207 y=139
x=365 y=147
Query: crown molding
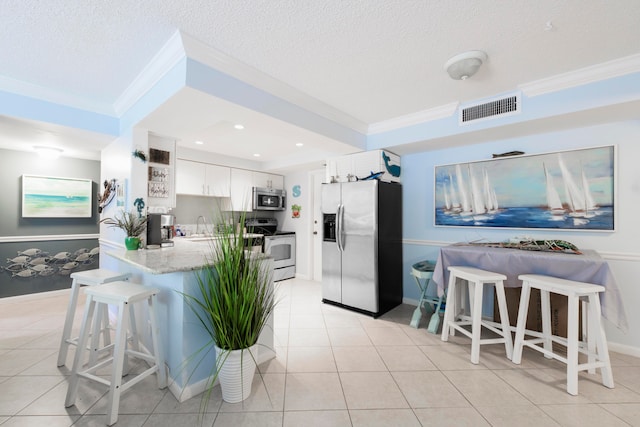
x=606 y=70
x=224 y=63
x=418 y=117
x=55 y=96
x=166 y=58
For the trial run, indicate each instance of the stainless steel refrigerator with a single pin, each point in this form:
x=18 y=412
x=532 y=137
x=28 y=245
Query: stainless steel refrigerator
x=362 y=245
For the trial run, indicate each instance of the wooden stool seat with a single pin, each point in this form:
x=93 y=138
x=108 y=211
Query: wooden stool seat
x=123 y=295
x=93 y=277
x=455 y=319
x=595 y=347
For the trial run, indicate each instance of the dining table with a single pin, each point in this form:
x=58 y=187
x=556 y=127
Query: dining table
x=587 y=266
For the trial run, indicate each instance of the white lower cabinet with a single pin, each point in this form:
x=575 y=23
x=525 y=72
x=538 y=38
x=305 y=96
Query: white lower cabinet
x=201 y=179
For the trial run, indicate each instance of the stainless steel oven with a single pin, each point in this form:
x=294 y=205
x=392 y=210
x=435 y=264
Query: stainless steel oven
x=282 y=248
x=280 y=245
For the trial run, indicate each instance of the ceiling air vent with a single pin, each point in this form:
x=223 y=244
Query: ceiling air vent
x=498 y=107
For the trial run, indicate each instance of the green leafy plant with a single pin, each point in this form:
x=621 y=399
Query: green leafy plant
x=129 y=222
x=234 y=297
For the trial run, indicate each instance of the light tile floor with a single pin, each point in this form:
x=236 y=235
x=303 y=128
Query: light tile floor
x=334 y=368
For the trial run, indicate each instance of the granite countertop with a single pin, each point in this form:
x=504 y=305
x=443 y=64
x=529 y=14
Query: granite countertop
x=186 y=255
x=183 y=256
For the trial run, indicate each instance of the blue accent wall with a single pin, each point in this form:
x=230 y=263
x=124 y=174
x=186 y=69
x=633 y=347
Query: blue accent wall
x=418 y=183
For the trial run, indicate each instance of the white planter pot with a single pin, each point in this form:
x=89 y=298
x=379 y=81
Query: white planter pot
x=236 y=373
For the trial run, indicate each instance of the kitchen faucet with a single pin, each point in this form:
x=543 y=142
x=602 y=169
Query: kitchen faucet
x=204 y=224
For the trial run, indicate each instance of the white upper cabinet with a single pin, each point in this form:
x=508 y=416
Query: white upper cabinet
x=241 y=189
x=267 y=180
x=218 y=180
x=189 y=177
x=201 y=179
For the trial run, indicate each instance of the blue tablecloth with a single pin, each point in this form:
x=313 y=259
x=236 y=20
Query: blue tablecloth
x=589 y=267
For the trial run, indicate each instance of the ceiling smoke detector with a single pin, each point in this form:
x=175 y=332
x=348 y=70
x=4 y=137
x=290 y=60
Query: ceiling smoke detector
x=465 y=65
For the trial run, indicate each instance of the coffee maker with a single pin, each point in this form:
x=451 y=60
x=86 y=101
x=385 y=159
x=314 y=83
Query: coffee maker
x=160 y=230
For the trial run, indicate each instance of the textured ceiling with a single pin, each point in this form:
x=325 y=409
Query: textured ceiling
x=374 y=60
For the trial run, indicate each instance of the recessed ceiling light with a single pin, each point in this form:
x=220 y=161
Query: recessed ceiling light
x=198 y=142
x=299 y=144
x=238 y=126
x=48 y=152
x=256 y=155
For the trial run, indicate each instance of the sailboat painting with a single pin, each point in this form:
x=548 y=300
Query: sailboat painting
x=568 y=190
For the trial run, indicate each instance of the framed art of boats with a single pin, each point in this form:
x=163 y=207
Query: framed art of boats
x=568 y=190
x=51 y=197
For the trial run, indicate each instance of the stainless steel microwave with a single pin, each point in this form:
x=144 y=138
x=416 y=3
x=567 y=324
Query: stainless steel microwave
x=269 y=199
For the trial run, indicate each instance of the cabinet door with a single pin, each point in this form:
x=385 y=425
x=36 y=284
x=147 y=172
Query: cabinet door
x=267 y=180
x=277 y=181
x=241 y=190
x=261 y=179
x=217 y=181
x=190 y=177
x=338 y=169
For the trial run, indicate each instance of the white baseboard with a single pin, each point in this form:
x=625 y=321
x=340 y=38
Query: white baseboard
x=624 y=349
x=37 y=295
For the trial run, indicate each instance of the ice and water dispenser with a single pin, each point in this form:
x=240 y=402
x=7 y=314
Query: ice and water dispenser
x=329 y=228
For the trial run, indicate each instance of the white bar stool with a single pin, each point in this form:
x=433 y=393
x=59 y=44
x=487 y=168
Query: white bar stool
x=455 y=318
x=123 y=295
x=93 y=277
x=595 y=348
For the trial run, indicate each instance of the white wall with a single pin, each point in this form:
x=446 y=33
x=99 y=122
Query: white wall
x=118 y=162
x=302 y=225
x=619 y=248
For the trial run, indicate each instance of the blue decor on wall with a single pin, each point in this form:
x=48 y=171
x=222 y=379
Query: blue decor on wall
x=571 y=190
x=394 y=170
x=296 y=191
x=139 y=204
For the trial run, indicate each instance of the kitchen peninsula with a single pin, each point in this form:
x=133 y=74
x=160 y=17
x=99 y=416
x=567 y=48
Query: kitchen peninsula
x=175 y=270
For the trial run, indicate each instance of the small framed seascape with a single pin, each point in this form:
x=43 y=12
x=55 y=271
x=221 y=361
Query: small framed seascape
x=568 y=190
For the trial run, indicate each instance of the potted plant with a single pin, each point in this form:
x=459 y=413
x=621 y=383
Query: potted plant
x=131 y=224
x=233 y=301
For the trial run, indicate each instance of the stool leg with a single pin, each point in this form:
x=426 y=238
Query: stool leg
x=595 y=319
x=68 y=323
x=106 y=339
x=504 y=319
x=522 y=322
x=572 y=346
x=157 y=348
x=450 y=309
x=476 y=290
x=72 y=390
x=545 y=305
x=588 y=335
x=118 y=361
x=98 y=319
x=434 y=321
x=417 y=313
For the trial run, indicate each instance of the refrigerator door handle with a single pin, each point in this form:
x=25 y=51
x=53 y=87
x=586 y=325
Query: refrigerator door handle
x=339 y=218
